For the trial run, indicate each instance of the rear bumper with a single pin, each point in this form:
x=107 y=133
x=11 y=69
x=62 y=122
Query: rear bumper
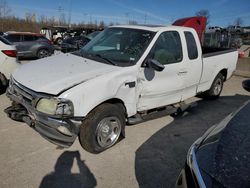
x=48 y=127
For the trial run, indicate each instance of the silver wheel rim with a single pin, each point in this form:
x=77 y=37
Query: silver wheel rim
x=108 y=131
x=43 y=53
x=218 y=87
x=59 y=41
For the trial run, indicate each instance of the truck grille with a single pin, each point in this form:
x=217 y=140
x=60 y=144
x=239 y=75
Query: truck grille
x=21 y=92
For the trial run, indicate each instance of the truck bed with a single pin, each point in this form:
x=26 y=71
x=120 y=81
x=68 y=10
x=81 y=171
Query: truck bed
x=215 y=60
x=210 y=51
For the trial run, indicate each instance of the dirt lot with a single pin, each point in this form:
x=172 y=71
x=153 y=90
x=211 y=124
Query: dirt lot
x=152 y=154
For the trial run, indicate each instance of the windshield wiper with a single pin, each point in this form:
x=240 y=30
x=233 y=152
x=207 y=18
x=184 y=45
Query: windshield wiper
x=104 y=58
x=99 y=56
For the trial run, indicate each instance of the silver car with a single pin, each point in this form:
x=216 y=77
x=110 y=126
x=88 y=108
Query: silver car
x=30 y=45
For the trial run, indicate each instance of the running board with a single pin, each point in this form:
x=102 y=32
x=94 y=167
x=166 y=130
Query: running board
x=157 y=113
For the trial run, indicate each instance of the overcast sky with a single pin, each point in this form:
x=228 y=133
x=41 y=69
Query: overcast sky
x=223 y=12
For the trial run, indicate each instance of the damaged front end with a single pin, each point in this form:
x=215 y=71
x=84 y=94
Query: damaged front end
x=51 y=117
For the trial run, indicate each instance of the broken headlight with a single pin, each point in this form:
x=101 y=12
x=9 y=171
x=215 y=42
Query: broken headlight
x=55 y=107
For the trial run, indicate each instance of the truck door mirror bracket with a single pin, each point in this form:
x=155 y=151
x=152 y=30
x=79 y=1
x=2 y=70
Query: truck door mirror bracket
x=154 y=64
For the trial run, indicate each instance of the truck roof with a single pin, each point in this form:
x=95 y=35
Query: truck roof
x=153 y=28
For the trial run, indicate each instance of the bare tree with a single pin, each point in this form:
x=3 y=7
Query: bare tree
x=42 y=19
x=62 y=19
x=101 y=25
x=132 y=22
x=5 y=10
x=28 y=16
x=238 y=21
x=204 y=13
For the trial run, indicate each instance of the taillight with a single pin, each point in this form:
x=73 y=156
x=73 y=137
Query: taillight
x=10 y=53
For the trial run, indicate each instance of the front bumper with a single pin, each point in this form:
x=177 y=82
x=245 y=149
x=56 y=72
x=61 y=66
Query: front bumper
x=48 y=127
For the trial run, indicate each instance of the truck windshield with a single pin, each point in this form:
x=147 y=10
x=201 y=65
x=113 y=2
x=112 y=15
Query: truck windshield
x=118 y=46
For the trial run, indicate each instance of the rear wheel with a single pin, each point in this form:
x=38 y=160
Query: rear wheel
x=102 y=128
x=216 y=88
x=43 y=53
x=59 y=41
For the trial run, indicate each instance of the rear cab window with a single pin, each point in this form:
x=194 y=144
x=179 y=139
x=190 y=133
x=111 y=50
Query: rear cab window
x=191 y=45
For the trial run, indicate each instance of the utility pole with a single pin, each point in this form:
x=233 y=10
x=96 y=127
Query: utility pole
x=145 y=19
x=127 y=17
x=70 y=7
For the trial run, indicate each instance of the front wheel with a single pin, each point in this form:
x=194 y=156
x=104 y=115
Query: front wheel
x=102 y=128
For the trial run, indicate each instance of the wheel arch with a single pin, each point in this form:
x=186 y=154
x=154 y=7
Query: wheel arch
x=224 y=73
x=118 y=102
x=3 y=79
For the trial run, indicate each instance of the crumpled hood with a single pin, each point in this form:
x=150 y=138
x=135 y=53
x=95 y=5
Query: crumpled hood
x=57 y=73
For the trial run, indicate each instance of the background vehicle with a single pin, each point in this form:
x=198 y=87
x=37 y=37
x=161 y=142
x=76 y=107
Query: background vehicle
x=54 y=34
x=236 y=42
x=234 y=29
x=220 y=158
x=126 y=74
x=75 y=43
x=8 y=62
x=214 y=29
x=246 y=29
x=30 y=44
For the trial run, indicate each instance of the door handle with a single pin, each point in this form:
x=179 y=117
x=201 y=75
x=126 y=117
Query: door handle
x=182 y=72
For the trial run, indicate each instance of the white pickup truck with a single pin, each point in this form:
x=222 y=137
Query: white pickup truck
x=125 y=75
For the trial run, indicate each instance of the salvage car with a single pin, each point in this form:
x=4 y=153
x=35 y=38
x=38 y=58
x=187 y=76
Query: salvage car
x=30 y=45
x=72 y=44
x=8 y=62
x=221 y=157
x=126 y=74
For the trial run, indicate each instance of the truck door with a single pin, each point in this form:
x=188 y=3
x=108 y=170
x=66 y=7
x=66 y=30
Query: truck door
x=193 y=65
x=157 y=89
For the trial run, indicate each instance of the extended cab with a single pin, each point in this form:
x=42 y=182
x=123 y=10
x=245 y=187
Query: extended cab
x=126 y=74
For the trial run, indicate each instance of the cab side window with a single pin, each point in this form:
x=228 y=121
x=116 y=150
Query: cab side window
x=168 y=48
x=191 y=45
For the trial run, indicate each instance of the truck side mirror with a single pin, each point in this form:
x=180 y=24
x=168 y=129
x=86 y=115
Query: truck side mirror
x=154 y=64
x=246 y=85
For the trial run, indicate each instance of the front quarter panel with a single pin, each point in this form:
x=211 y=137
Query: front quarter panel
x=91 y=93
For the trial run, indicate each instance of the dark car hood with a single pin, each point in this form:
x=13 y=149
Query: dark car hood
x=224 y=155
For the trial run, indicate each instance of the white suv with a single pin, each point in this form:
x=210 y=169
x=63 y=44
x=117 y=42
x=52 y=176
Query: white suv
x=8 y=62
x=214 y=29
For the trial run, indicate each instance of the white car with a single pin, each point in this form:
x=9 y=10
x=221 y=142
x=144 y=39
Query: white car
x=214 y=29
x=126 y=74
x=8 y=62
x=235 y=29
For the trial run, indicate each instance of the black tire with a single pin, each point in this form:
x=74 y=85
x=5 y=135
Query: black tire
x=216 y=88
x=59 y=41
x=3 y=84
x=2 y=88
x=94 y=132
x=41 y=53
